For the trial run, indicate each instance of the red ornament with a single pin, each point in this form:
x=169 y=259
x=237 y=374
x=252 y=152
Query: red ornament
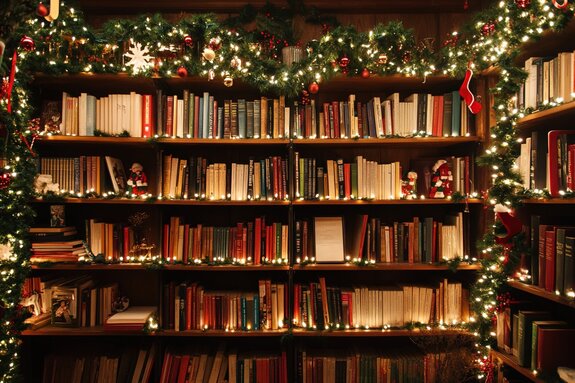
x=188 y=40
x=27 y=43
x=313 y=87
x=304 y=97
x=215 y=43
x=365 y=73
x=488 y=28
x=42 y=10
x=465 y=5
x=5 y=179
x=182 y=72
x=563 y=5
x=522 y=3
x=344 y=62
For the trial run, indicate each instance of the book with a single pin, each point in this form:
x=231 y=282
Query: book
x=328 y=236
x=117 y=174
x=133 y=318
x=557 y=141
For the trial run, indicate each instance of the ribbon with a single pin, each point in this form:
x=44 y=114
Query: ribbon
x=11 y=82
x=562 y=5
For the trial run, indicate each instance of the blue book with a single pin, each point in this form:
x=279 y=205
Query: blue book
x=244 y=314
x=256 y=312
x=242 y=120
x=90 y=115
x=220 y=133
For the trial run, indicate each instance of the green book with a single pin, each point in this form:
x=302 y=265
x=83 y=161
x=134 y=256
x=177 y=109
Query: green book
x=354 y=178
x=526 y=319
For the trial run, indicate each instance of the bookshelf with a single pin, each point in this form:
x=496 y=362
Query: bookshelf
x=228 y=213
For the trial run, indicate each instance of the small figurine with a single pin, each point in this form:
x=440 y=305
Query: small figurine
x=441 y=180
x=137 y=182
x=409 y=186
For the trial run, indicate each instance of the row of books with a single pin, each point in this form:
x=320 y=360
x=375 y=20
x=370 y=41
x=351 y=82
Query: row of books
x=251 y=242
x=402 y=365
x=547 y=161
x=202 y=116
x=552 y=266
x=222 y=366
x=130 y=365
x=534 y=337
x=548 y=79
x=317 y=305
x=197 y=178
x=55 y=244
x=114 y=114
x=85 y=173
x=191 y=307
x=113 y=240
x=365 y=179
x=423 y=240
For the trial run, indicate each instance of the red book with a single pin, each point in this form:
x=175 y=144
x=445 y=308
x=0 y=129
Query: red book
x=189 y=312
x=126 y=232
x=169 y=128
x=554 y=347
x=347 y=179
x=257 y=241
x=555 y=159
x=147 y=116
x=175 y=369
x=550 y=260
x=186 y=253
x=296 y=311
x=283 y=369
x=166 y=241
x=183 y=368
x=166 y=368
x=571 y=166
x=336 y=127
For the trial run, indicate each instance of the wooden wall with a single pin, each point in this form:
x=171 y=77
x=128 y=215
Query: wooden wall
x=433 y=19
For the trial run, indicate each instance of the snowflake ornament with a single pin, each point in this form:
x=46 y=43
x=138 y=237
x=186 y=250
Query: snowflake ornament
x=139 y=57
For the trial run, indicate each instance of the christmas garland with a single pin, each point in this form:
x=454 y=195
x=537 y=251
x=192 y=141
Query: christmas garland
x=202 y=46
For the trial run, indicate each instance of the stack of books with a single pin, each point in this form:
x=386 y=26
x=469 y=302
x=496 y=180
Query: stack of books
x=132 y=319
x=55 y=244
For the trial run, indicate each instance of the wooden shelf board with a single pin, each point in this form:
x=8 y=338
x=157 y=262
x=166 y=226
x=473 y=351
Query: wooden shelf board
x=222 y=333
x=511 y=361
x=226 y=268
x=410 y=142
x=174 y=202
x=540 y=119
x=81 y=331
x=552 y=201
x=427 y=201
x=377 y=333
x=88 y=267
x=398 y=83
x=382 y=267
x=96 y=140
x=542 y=293
x=224 y=141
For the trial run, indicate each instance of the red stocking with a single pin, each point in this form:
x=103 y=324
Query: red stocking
x=511 y=223
x=469 y=98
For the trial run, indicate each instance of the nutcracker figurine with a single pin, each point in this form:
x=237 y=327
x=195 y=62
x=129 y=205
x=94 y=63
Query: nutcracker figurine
x=137 y=182
x=441 y=180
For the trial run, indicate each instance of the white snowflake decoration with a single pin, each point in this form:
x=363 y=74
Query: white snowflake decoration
x=139 y=57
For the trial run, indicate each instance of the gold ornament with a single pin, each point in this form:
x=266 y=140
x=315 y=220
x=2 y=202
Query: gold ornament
x=236 y=62
x=209 y=54
x=211 y=74
x=228 y=81
x=382 y=60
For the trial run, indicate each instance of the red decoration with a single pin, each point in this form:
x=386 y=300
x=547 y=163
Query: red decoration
x=503 y=301
x=188 y=40
x=5 y=179
x=313 y=87
x=488 y=28
x=27 y=43
x=465 y=5
x=344 y=62
x=441 y=180
x=382 y=59
x=365 y=73
x=562 y=5
x=522 y=3
x=472 y=104
x=42 y=10
x=182 y=72
x=304 y=97
x=451 y=41
x=407 y=57
x=511 y=223
x=215 y=43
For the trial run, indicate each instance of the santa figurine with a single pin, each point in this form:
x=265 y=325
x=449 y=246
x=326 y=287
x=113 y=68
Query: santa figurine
x=137 y=182
x=441 y=180
x=409 y=186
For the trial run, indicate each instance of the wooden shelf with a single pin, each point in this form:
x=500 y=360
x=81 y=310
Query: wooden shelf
x=226 y=334
x=226 y=268
x=224 y=141
x=382 y=267
x=139 y=266
x=542 y=293
x=397 y=83
x=511 y=361
x=376 y=333
x=90 y=266
x=395 y=142
x=427 y=201
x=93 y=140
x=166 y=202
x=552 y=201
x=543 y=118
x=81 y=331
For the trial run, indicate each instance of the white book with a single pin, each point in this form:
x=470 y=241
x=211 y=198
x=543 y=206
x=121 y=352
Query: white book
x=82 y=114
x=132 y=315
x=205 y=115
x=63 y=127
